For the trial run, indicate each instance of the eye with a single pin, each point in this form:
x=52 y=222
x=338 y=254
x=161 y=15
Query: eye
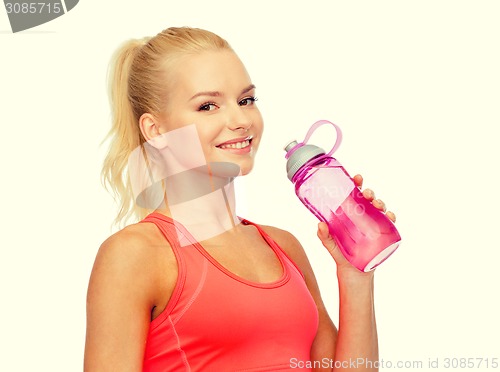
x=248 y=101
x=209 y=106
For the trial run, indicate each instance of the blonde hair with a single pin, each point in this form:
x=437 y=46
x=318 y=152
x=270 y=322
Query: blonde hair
x=137 y=77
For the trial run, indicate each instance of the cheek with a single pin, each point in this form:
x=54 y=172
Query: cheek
x=208 y=140
x=258 y=122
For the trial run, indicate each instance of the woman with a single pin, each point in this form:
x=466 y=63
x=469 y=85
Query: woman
x=192 y=286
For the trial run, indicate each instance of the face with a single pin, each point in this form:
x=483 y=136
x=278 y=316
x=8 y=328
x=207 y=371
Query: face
x=213 y=91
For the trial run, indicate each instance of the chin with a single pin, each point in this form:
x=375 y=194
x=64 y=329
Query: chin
x=240 y=167
x=244 y=172
x=246 y=167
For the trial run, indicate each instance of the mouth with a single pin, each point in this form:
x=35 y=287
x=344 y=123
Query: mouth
x=236 y=144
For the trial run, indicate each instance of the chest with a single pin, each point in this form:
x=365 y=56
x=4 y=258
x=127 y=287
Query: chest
x=247 y=255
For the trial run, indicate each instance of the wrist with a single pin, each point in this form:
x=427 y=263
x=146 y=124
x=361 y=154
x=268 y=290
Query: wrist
x=351 y=275
x=356 y=295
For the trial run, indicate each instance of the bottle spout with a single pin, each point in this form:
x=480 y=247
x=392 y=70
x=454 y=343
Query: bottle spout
x=290 y=145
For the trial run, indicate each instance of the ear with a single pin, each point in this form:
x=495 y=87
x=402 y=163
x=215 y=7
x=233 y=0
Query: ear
x=149 y=127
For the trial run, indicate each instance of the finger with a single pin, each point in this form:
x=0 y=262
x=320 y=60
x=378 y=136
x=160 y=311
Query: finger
x=358 y=180
x=330 y=244
x=325 y=237
x=379 y=204
x=391 y=216
x=369 y=194
x=323 y=232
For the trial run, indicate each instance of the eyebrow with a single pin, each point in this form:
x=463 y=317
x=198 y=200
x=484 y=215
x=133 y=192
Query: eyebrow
x=218 y=94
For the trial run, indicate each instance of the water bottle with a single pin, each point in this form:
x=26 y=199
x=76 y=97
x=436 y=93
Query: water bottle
x=364 y=234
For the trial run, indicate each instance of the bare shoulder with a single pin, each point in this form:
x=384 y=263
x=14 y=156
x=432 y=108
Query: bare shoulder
x=134 y=242
x=132 y=259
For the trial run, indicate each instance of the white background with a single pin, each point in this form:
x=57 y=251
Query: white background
x=414 y=86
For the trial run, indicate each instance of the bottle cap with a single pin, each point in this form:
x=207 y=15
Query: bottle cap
x=299 y=154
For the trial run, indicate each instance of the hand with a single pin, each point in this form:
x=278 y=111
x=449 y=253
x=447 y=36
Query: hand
x=329 y=242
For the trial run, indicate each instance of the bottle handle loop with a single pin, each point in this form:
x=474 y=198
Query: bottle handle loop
x=319 y=123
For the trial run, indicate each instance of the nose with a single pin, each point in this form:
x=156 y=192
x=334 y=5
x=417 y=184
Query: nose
x=238 y=119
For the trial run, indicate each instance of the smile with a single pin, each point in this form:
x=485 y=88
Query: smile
x=235 y=144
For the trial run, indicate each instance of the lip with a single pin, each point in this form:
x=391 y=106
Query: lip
x=235 y=140
x=236 y=151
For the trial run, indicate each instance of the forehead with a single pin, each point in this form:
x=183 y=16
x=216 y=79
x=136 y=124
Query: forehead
x=220 y=70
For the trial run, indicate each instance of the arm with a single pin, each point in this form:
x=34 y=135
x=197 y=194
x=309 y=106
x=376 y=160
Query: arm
x=119 y=303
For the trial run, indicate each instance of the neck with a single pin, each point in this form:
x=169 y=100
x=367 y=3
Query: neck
x=202 y=200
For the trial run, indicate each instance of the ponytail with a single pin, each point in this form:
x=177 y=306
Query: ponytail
x=125 y=135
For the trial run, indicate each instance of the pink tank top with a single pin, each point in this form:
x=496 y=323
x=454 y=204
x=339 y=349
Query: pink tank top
x=217 y=321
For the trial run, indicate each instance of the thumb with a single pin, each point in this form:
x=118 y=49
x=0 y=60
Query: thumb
x=329 y=242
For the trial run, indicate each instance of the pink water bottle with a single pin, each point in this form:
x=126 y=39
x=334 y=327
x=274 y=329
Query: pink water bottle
x=365 y=236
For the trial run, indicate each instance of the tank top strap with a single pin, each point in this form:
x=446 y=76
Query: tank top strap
x=175 y=233
x=275 y=245
x=178 y=240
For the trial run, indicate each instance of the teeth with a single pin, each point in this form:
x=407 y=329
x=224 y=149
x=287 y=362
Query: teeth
x=237 y=145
